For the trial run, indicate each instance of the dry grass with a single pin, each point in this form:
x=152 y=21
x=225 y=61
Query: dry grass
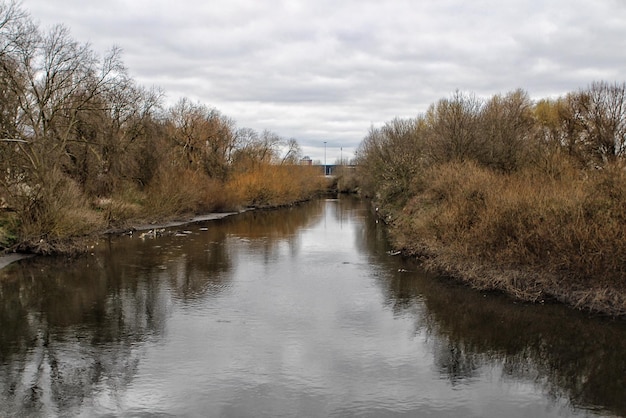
x=176 y=191
x=8 y=229
x=275 y=185
x=529 y=233
x=55 y=215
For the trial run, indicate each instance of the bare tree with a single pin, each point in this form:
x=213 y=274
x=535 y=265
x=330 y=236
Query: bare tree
x=255 y=150
x=453 y=125
x=507 y=128
x=202 y=138
x=390 y=157
x=293 y=152
x=602 y=109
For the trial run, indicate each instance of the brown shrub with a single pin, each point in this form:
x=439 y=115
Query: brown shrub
x=569 y=228
x=52 y=213
x=175 y=191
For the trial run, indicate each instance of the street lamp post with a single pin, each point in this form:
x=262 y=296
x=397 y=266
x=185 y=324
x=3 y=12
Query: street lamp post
x=325 y=167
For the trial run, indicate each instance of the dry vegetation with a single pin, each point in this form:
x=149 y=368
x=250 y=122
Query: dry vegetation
x=507 y=194
x=84 y=148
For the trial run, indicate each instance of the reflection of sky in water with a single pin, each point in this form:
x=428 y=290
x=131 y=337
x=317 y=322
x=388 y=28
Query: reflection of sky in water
x=293 y=313
x=306 y=332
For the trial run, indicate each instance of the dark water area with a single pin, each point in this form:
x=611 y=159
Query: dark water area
x=293 y=312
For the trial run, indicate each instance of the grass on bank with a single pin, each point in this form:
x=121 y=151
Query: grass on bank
x=62 y=219
x=275 y=185
x=532 y=234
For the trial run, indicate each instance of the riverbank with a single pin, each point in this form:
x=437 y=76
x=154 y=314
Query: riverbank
x=523 y=283
x=70 y=222
x=76 y=245
x=535 y=238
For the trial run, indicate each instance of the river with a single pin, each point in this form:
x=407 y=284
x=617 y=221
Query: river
x=297 y=312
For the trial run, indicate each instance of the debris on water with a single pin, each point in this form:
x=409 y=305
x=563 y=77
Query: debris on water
x=392 y=252
x=152 y=233
x=182 y=233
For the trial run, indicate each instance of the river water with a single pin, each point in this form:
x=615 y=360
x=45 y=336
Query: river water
x=296 y=312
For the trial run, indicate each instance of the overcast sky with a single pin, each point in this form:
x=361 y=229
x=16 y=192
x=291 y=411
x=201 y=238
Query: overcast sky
x=322 y=70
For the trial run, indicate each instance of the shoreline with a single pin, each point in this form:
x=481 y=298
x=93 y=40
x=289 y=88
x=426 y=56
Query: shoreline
x=9 y=258
x=76 y=245
x=527 y=285
x=524 y=285
x=173 y=223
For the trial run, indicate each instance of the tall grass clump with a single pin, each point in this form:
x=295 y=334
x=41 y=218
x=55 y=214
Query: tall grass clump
x=347 y=179
x=8 y=230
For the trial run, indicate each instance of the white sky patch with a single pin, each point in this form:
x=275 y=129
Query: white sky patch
x=326 y=71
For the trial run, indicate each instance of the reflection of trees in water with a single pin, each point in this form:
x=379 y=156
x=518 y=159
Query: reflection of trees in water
x=264 y=230
x=195 y=265
x=56 y=318
x=581 y=358
x=567 y=353
x=71 y=329
x=276 y=223
x=346 y=208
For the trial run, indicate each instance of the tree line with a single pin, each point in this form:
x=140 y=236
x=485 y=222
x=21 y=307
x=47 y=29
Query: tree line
x=506 y=133
x=78 y=135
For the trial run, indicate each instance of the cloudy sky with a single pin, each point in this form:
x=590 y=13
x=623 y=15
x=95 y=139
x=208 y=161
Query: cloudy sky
x=322 y=70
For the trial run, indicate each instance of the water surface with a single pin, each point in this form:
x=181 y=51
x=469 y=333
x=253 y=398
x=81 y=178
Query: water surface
x=294 y=312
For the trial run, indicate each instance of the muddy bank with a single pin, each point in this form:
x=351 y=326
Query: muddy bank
x=6 y=259
x=172 y=223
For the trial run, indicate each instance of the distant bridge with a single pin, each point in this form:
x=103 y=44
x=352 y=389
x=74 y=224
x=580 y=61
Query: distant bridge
x=330 y=169
x=327 y=169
